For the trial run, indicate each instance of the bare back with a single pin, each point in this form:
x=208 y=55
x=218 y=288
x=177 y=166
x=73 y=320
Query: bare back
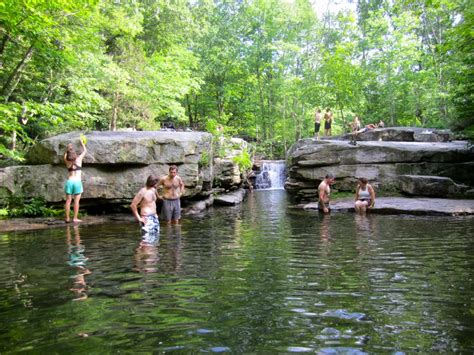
x=145 y=199
x=75 y=167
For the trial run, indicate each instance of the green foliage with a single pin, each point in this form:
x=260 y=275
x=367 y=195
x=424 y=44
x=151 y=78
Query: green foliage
x=18 y=206
x=243 y=160
x=204 y=160
x=212 y=126
x=252 y=69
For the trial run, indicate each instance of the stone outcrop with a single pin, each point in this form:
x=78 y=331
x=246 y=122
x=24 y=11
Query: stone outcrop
x=230 y=199
x=433 y=186
x=382 y=162
x=117 y=165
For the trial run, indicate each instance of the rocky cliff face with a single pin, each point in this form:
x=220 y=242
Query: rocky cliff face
x=117 y=165
x=381 y=161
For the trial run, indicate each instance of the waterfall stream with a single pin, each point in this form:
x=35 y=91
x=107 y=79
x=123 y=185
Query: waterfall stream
x=272 y=175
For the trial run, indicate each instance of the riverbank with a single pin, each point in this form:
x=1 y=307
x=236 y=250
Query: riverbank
x=23 y=224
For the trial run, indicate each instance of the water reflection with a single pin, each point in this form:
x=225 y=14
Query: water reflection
x=78 y=260
x=174 y=246
x=147 y=254
x=366 y=225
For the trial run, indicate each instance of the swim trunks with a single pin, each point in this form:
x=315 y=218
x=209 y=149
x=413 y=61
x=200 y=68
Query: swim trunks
x=150 y=228
x=317 y=126
x=171 y=209
x=321 y=209
x=73 y=187
x=327 y=124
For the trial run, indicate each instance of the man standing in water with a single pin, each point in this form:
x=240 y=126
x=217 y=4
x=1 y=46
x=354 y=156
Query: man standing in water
x=324 y=191
x=173 y=189
x=145 y=199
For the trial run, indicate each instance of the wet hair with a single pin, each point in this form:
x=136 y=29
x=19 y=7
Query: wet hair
x=173 y=167
x=330 y=176
x=71 y=154
x=363 y=180
x=151 y=181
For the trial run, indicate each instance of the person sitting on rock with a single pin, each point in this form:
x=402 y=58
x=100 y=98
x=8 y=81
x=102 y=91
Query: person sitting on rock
x=364 y=196
x=367 y=128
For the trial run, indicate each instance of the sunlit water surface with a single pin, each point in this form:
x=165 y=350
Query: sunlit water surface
x=260 y=277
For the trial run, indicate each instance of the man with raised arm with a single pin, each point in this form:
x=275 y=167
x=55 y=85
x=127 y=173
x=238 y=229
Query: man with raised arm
x=172 y=188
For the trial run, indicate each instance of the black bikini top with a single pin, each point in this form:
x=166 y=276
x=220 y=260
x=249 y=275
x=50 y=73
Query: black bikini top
x=74 y=167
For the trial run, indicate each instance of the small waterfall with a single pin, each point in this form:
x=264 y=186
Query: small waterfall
x=272 y=175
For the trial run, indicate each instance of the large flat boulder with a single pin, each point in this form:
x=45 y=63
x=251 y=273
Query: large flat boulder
x=131 y=148
x=117 y=165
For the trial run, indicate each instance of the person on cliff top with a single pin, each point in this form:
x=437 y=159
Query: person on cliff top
x=145 y=200
x=364 y=196
x=317 y=123
x=73 y=185
x=324 y=192
x=356 y=124
x=328 y=120
x=173 y=188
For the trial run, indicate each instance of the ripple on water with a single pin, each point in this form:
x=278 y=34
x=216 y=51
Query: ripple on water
x=257 y=278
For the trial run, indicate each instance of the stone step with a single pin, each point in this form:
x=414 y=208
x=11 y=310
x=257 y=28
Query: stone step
x=405 y=205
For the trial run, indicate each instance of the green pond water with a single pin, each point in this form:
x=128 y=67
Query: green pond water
x=258 y=278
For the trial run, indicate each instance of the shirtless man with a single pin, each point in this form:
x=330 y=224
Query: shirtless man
x=328 y=120
x=324 y=190
x=173 y=189
x=317 y=123
x=145 y=199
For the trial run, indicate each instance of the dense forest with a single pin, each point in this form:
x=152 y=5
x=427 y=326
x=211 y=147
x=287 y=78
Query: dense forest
x=257 y=68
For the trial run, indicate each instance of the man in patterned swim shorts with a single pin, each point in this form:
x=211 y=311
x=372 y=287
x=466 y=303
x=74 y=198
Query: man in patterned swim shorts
x=173 y=189
x=145 y=199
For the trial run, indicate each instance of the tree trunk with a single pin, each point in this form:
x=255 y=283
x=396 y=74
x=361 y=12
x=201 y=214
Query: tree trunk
x=113 y=121
x=22 y=120
x=190 y=112
x=15 y=77
x=3 y=43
